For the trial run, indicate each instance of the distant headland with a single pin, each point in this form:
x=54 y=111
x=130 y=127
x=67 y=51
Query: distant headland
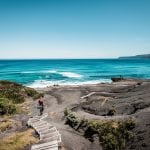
x=146 y=56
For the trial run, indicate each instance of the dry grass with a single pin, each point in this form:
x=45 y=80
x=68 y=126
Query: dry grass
x=18 y=141
x=24 y=107
x=5 y=125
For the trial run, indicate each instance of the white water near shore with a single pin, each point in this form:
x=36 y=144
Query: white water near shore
x=46 y=83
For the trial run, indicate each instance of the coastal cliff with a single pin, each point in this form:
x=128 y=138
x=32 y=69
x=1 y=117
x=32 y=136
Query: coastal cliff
x=145 y=56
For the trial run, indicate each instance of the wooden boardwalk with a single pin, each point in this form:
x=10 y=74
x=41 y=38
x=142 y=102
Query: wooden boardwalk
x=50 y=138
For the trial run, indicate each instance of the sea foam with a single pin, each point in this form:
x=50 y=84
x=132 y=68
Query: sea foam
x=70 y=74
x=46 y=83
x=65 y=74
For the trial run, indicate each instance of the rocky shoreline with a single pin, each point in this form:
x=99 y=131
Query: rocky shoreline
x=110 y=101
x=117 y=101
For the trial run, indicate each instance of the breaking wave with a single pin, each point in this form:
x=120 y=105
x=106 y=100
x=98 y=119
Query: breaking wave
x=46 y=83
x=64 y=74
x=70 y=74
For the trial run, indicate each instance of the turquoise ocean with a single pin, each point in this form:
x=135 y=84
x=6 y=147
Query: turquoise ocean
x=42 y=73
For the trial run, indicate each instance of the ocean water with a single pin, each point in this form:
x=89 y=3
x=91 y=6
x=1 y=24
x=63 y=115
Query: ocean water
x=42 y=73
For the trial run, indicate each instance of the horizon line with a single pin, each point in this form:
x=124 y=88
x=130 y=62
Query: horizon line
x=53 y=58
x=56 y=58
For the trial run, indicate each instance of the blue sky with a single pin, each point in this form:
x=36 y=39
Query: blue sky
x=74 y=28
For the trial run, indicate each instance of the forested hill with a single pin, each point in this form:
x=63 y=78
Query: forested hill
x=146 y=56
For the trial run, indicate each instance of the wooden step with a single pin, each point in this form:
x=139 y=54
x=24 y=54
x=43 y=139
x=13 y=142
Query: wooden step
x=53 y=148
x=53 y=138
x=39 y=117
x=49 y=148
x=43 y=125
x=33 y=120
x=39 y=123
x=44 y=116
x=30 y=121
x=36 y=117
x=48 y=135
x=44 y=145
x=53 y=129
x=43 y=128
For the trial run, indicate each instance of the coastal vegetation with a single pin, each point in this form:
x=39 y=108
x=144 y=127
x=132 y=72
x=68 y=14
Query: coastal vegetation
x=7 y=107
x=113 y=134
x=13 y=101
x=12 y=94
x=18 y=140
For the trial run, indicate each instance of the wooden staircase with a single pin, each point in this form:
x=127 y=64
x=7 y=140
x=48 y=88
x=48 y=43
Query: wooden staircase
x=50 y=138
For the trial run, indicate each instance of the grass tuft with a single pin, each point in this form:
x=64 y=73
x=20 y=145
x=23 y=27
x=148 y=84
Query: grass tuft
x=18 y=141
x=7 y=107
x=5 y=124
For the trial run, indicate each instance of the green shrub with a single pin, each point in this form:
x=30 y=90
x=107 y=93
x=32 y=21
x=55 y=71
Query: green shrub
x=66 y=112
x=16 y=92
x=7 y=107
x=112 y=134
x=72 y=120
x=37 y=96
x=8 y=83
x=11 y=91
x=33 y=93
x=11 y=94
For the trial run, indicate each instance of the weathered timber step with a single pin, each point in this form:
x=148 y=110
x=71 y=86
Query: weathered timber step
x=46 y=129
x=37 y=118
x=40 y=124
x=39 y=128
x=53 y=138
x=43 y=136
x=51 y=130
x=48 y=134
x=45 y=145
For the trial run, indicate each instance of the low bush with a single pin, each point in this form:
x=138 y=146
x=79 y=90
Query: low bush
x=32 y=93
x=7 y=107
x=112 y=134
x=11 y=94
x=72 y=120
x=16 y=92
